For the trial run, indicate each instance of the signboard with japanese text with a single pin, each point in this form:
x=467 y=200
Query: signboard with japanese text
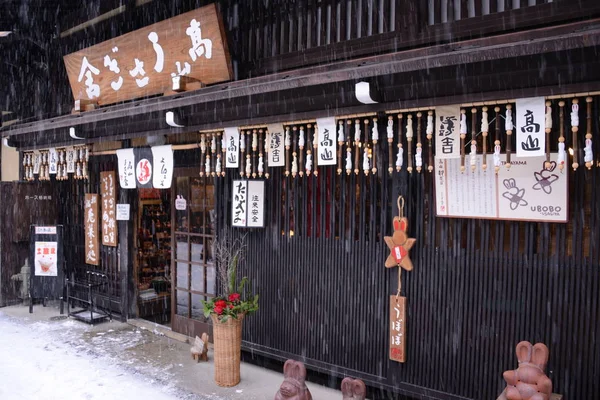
x=232 y=142
x=90 y=219
x=45 y=230
x=276 y=145
x=143 y=167
x=527 y=191
x=71 y=158
x=142 y=63
x=530 y=127
x=326 y=134
x=52 y=161
x=397 y=328
x=256 y=204
x=45 y=260
x=126 y=161
x=163 y=166
x=109 y=221
x=37 y=161
x=123 y=212
x=239 y=203
x=447 y=135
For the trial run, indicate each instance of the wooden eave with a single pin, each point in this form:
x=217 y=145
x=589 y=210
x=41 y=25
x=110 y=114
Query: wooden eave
x=316 y=91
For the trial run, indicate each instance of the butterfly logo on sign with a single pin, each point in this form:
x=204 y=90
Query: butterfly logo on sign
x=514 y=194
x=545 y=178
x=143 y=171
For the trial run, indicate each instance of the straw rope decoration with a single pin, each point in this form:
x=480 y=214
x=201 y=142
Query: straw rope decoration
x=366 y=165
x=202 y=153
x=574 y=130
x=390 y=140
x=261 y=146
x=419 y=150
x=409 y=138
x=463 y=135
x=548 y=123
x=588 y=155
x=562 y=154
x=348 y=149
x=315 y=137
x=497 y=141
x=429 y=131
x=294 y=153
x=508 y=123
x=473 y=155
x=301 y=142
x=485 y=127
x=309 y=155
x=356 y=144
x=374 y=139
x=287 y=143
x=400 y=154
x=340 y=140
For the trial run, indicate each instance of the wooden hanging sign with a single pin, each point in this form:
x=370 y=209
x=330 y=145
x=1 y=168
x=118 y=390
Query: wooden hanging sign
x=109 y=216
x=92 y=250
x=397 y=328
x=145 y=62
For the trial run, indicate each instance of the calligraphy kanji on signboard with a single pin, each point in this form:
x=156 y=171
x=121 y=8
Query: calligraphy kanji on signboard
x=90 y=220
x=109 y=221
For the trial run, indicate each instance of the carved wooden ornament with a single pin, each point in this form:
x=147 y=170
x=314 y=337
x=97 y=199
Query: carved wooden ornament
x=399 y=244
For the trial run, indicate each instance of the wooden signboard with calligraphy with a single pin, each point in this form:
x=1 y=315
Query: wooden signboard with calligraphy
x=397 y=328
x=144 y=62
x=92 y=254
x=109 y=221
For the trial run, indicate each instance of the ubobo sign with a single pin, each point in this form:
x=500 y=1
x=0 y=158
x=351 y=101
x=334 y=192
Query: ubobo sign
x=144 y=62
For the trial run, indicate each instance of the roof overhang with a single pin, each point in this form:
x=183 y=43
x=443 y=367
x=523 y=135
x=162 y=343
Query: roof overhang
x=329 y=89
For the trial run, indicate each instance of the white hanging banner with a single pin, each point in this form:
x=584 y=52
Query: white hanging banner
x=530 y=128
x=232 y=139
x=326 y=147
x=276 y=146
x=447 y=135
x=52 y=161
x=126 y=161
x=71 y=160
x=163 y=166
x=239 y=203
x=256 y=204
x=37 y=161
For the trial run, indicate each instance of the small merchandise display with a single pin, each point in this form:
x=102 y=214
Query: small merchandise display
x=154 y=260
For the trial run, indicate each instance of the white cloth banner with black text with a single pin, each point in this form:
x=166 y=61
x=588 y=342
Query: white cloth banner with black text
x=163 y=166
x=126 y=161
x=276 y=147
x=530 y=127
x=447 y=132
x=326 y=143
x=232 y=140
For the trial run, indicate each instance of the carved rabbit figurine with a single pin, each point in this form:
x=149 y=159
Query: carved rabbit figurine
x=293 y=386
x=529 y=381
x=353 y=389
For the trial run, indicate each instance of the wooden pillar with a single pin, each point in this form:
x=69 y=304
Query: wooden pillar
x=126 y=252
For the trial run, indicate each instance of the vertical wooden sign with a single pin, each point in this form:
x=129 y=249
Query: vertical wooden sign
x=108 y=195
x=92 y=254
x=398 y=328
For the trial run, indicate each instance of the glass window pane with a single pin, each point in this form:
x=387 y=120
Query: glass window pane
x=182 y=189
x=182 y=303
x=181 y=248
x=198 y=307
x=198 y=278
x=197 y=249
x=211 y=279
x=182 y=275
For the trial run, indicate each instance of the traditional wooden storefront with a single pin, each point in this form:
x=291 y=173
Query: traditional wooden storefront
x=479 y=284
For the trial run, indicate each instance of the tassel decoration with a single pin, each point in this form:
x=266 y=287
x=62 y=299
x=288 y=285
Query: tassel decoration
x=574 y=130
x=588 y=155
x=485 y=127
x=509 y=130
x=400 y=154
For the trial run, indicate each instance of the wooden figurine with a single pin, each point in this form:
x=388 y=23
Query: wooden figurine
x=399 y=244
x=200 y=348
x=294 y=383
x=529 y=381
x=353 y=389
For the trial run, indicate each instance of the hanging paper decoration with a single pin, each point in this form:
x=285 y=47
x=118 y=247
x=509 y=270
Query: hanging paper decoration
x=261 y=146
x=267 y=148
x=242 y=153
x=223 y=152
x=301 y=147
x=374 y=139
x=588 y=155
x=508 y=126
x=497 y=141
x=316 y=150
x=409 y=138
x=419 y=150
x=348 y=150
x=562 y=154
x=390 y=140
x=574 y=130
x=365 y=145
x=248 y=156
x=340 y=140
x=485 y=127
x=357 y=134
x=463 y=135
x=213 y=151
x=399 y=244
x=287 y=143
x=548 y=126
x=400 y=154
x=530 y=137
x=429 y=132
x=294 y=154
x=202 y=152
x=473 y=154
x=254 y=150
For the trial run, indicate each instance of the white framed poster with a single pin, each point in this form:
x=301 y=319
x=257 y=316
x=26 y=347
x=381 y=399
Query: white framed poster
x=239 y=203
x=256 y=204
x=326 y=138
x=45 y=261
x=527 y=191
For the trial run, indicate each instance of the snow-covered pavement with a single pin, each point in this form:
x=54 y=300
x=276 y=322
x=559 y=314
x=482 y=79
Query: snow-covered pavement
x=38 y=362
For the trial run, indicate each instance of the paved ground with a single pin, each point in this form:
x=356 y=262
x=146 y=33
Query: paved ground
x=67 y=359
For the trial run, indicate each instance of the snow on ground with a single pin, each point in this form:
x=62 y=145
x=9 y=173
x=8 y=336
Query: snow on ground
x=66 y=360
